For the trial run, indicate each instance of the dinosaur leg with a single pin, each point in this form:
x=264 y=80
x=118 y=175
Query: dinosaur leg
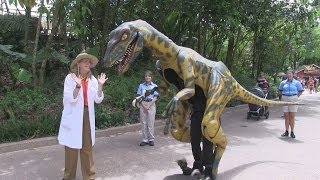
x=214 y=133
x=212 y=130
x=179 y=130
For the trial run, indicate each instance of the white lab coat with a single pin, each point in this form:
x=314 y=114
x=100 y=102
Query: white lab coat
x=70 y=131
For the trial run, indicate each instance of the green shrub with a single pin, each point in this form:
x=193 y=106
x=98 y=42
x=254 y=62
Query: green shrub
x=106 y=118
x=27 y=104
x=120 y=91
x=29 y=113
x=14 y=130
x=273 y=92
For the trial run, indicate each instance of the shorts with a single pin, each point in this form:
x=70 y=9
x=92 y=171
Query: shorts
x=290 y=108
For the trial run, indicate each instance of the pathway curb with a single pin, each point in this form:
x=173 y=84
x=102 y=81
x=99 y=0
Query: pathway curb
x=49 y=141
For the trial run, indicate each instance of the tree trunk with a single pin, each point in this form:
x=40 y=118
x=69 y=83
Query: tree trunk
x=34 y=57
x=230 y=51
x=63 y=30
x=254 y=52
x=204 y=40
x=199 y=33
x=7 y=7
x=105 y=28
x=48 y=25
x=26 y=28
x=55 y=20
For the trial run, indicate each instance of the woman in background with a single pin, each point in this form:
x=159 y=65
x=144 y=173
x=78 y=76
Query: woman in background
x=290 y=90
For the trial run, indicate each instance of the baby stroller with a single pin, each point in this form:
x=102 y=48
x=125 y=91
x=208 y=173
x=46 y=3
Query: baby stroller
x=258 y=110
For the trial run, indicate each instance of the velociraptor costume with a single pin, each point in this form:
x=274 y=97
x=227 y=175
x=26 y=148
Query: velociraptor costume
x=214 y=78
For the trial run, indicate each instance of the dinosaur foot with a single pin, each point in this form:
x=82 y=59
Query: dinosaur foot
x=184 y=167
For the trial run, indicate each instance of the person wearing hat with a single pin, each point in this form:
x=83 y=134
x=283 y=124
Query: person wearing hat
x=77 y=126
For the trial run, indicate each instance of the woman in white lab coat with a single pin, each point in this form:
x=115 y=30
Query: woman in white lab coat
x=77 y=128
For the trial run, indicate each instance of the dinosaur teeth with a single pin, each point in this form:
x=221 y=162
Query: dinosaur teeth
x=115 y=62
x=124 y=60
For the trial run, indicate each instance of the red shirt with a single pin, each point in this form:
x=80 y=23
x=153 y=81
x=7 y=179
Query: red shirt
x=84 y=83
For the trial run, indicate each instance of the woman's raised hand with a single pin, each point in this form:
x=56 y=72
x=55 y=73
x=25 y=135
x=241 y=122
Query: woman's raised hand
x=102 y=78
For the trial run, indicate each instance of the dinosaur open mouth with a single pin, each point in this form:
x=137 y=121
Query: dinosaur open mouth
x=125 y=59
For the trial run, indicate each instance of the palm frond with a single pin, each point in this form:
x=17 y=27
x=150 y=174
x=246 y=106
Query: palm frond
x=60 y=57
x=55 y=55
x=6 y=50
x=12 y=23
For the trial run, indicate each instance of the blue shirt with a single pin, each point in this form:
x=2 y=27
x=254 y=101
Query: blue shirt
x=290 y=88
x=145 y=86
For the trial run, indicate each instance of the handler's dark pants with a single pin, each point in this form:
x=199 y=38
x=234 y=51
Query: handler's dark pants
x=204 y=158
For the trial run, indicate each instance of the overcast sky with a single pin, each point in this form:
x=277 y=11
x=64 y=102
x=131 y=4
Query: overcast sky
x=13 y=8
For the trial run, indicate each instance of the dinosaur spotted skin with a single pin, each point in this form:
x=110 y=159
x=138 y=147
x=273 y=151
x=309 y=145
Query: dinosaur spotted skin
x=214 y=78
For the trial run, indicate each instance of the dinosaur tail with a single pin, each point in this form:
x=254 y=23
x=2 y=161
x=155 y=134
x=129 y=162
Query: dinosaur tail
x=249 y=97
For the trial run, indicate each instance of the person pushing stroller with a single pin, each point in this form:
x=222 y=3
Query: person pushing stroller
x=261 y=90
x=263 y=83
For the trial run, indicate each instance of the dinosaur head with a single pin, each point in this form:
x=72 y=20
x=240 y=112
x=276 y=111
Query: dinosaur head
x=125 y=44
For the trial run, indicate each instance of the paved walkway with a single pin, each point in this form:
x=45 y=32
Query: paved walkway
x=255 y=151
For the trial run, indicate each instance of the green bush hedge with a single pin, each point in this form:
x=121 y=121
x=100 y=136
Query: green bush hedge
x=29 y=113
x=106 y=118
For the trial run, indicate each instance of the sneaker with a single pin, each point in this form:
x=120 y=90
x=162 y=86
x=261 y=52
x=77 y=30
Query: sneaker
x=151 y=143
x=143 y=143
x=285 y=134
x=198 y=165
x=292 y=135
x=208 y=173
x=196 y=174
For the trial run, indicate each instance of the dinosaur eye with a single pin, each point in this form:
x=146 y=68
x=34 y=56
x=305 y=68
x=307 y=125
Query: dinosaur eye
x=124 y=36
